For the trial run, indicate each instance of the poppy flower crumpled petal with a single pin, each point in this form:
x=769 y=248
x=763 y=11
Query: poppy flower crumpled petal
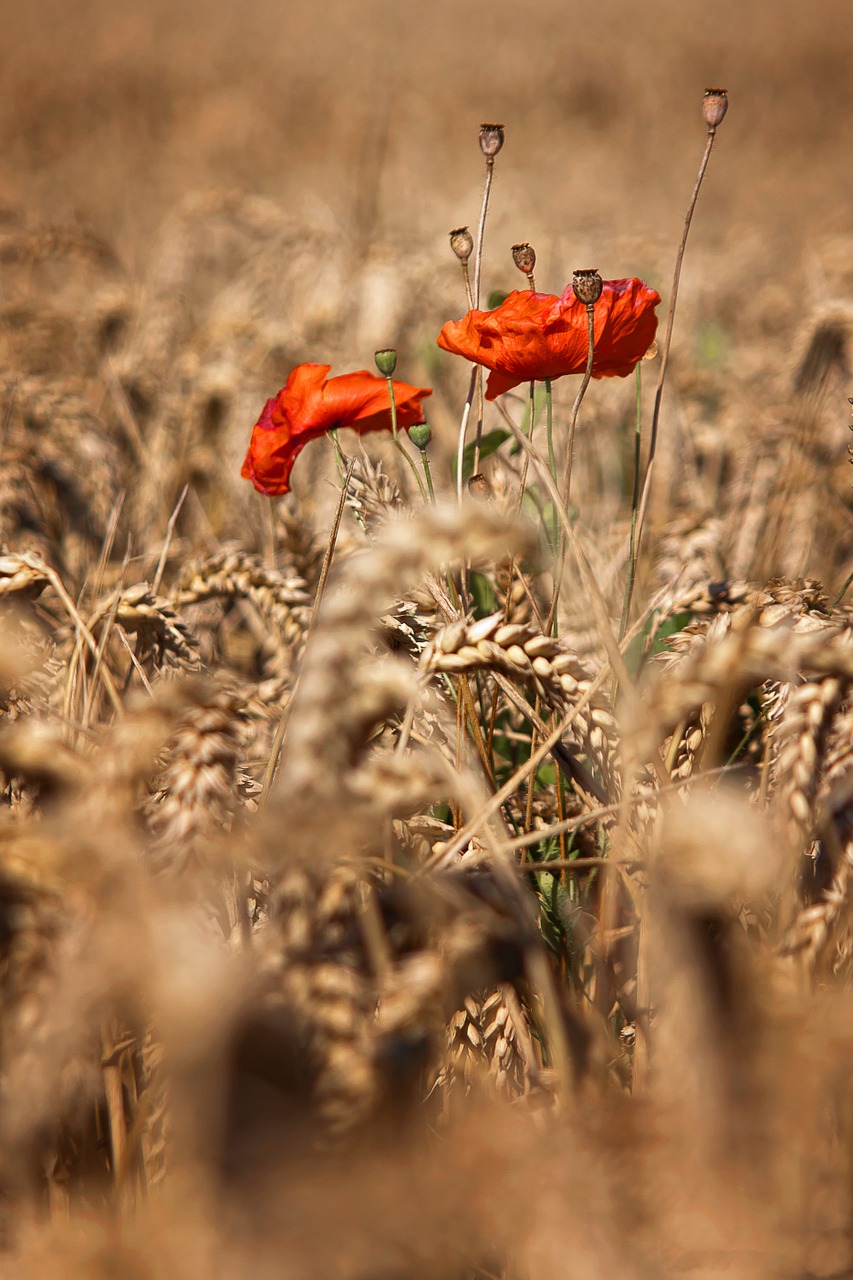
x=533 y=336
x=310 y=404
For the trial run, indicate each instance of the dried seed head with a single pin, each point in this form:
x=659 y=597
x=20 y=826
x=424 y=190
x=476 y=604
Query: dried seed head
x=479 y=487
x=462 y=243
x=420 y=435
x=491 y=139
x=386 y=361
x=524 y=257
x=714 y=106
x=587 y=286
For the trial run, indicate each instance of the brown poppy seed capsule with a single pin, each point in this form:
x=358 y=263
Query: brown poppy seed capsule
x=587 y=286
x=462 y=243
x=386 y=361
x=524 y=257
x=491 y=139
x=479 y=487
x=714 y=106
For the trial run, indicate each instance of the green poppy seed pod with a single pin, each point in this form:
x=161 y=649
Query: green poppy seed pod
x=462 y=243
x=587 y=286
x=715 y=104
x=491 y=139
x=386 y=361
x=524 y=257
x=420 y=435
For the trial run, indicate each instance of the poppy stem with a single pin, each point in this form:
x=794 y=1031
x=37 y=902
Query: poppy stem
x=670 y=319
x=635 y=503
x=466 y=276
x=281 y=728
x=339 y=453
x=531 y=422
x=570 y=453
x=481 y=227
x=480 y=416
x=270 y=532
x=393 y=408
x=428 y=474
x=466 y=413
x=398 y=443
x=576 y=407
x=413 y=468
x=549 y=421
x=478 y=266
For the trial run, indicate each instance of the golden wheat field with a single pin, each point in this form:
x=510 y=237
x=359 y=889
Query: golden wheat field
x=410 y=870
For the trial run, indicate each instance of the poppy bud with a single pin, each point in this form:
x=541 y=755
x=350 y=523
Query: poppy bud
x=491 y=139
x=386 y=361
x=420 y=435
x=587 y=286
x=714 y=106
x=462 y=243
x=524 y=257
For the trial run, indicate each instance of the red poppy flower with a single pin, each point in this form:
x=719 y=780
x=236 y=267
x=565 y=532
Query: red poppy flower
x=532 y=336
x=310 y=404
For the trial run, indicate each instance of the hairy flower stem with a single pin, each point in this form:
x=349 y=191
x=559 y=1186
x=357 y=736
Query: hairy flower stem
x=670 y=319
x=393 y=409
x=428 y=474
x=339 y=454
x=635 y=496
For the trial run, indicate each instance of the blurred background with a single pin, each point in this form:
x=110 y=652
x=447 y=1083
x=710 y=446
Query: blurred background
x=365 y=117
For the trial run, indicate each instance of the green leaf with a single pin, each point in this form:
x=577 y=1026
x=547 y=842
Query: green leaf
x=671 y=627
x=489 y=444
x=496 y=297
x=483 y=595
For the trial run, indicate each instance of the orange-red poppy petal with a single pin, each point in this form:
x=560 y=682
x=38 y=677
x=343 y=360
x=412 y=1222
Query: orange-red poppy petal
x=310 y=404
x=533 y=336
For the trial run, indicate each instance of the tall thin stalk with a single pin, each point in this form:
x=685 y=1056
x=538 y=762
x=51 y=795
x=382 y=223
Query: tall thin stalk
x=635 y=496
x=491 y=141
x=587 y=286
x=714 y=109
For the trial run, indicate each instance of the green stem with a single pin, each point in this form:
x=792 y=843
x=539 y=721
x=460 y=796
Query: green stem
x=414 y=469
x=393 y=409
x=843 y=592
x=428 y=474
x=339 y=454
x=549 y=419
x=635 y=506
x=399 y=443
